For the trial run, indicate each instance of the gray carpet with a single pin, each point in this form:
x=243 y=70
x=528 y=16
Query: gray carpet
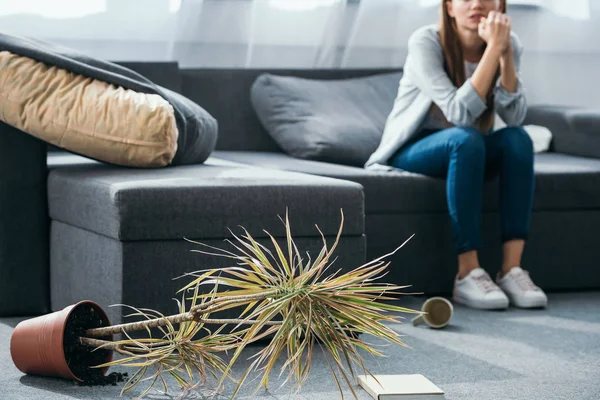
x=514 y=354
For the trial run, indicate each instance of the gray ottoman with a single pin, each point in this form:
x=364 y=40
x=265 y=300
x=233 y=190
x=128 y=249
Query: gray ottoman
x=117 y=235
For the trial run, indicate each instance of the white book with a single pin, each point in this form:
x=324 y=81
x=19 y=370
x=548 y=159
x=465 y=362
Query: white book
x=400 y=387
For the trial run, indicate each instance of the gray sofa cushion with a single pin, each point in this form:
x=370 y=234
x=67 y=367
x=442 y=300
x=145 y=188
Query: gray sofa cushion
x=200 y=201
x=562 y=183
x=574 y=131
x=339 y=121
x=225 y=94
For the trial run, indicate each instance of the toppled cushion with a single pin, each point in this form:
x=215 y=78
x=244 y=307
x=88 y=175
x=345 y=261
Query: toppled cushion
x=338 y=121
x=197 y=129
x=85 y=115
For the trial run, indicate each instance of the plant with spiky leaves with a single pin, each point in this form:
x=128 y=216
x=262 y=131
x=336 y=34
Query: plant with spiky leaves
x=298 y=304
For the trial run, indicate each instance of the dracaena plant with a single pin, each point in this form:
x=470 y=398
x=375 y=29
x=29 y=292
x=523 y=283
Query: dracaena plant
x=299 y=305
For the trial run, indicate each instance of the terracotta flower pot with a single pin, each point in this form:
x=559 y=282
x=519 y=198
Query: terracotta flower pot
x=48 y=345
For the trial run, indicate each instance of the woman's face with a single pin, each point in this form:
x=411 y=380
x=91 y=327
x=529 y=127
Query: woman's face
x=468 y=13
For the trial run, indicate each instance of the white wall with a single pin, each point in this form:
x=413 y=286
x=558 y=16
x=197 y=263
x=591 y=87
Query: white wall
x=560 y=65
x=562 y=60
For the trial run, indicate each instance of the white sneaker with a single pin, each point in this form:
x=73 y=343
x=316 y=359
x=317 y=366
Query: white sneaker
x=478 y=290
x=521 y=290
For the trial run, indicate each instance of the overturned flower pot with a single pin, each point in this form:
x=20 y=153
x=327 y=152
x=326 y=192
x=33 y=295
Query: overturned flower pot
x=50 y=345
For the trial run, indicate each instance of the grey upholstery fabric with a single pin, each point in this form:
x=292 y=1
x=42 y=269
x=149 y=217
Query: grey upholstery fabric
x=563 y=182
x=225 y=94
x=200 y=201
x=338 y=121
x=86 y=265
x=24 y=286
x=197 y=128
x=574 y=131
x=395 y=191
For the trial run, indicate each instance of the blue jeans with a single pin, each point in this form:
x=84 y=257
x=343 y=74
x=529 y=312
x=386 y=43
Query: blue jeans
x=465 y=158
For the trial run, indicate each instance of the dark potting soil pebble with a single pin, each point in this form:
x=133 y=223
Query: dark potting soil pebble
x=110 y=379
x=79 y=357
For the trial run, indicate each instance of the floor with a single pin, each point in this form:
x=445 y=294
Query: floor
x=514 y=354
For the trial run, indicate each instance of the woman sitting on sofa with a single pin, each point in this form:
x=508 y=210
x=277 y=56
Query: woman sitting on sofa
x=457 y=77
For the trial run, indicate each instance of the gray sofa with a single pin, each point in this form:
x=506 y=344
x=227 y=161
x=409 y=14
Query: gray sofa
x=116 y=235
x=562 y=253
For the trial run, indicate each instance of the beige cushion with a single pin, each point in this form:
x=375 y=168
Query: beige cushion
x=86 y=116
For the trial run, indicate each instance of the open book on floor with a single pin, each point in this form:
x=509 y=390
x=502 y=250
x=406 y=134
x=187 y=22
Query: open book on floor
x=400 y=387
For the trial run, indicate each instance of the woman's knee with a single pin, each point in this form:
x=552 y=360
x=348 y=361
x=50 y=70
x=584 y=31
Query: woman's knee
x=465 y=140
x=516 y=141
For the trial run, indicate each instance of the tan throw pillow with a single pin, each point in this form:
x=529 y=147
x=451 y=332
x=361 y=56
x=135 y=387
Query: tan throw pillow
x=86 y=116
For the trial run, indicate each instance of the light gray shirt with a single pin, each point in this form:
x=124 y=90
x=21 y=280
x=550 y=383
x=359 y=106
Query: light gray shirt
x=435 y=119
x=426 y=83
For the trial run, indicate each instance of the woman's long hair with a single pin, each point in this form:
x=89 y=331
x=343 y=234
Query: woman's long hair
x=455 y=63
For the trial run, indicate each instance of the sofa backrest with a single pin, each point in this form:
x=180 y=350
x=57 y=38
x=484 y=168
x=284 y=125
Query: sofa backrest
x=225 y=94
